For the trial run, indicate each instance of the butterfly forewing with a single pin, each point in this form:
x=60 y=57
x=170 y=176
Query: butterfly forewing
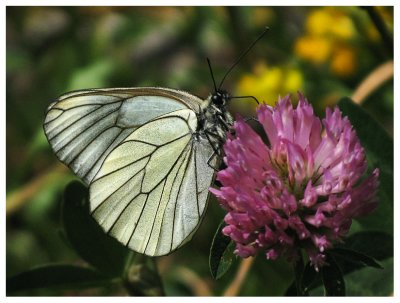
x=136 y=148
x=84 y=127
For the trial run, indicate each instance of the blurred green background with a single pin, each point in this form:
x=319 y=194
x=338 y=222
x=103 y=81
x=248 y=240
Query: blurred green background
x=324 y=52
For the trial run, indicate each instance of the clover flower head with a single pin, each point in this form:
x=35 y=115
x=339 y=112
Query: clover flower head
x=301 y=190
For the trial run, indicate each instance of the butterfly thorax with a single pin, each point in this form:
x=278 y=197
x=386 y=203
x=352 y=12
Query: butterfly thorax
x=214 y=119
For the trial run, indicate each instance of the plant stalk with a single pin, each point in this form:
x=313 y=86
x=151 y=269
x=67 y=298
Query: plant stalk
x=234 y=288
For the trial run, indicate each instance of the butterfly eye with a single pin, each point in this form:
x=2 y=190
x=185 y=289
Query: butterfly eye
x=218 y=98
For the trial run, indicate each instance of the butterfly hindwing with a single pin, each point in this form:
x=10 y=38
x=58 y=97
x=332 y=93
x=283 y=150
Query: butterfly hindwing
x=151 y=198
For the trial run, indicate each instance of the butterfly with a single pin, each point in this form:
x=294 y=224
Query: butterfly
x=147 y=154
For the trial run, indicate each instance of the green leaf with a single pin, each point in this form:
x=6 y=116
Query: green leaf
x=94 y=75
x=311 y=277
x=298 y=268
x=376 y=244
x=369 y=245
x=143 y=279
x=291 y=291
x=87 y=237
x=373 y=136
x=355 y=257
x=379 y=151
x=56 y=276
x=221 y=253
x=368 y=281
x=309 y=280
x=333 y=278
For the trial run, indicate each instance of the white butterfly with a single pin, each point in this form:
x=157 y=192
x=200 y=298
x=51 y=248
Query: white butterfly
x=148 y=156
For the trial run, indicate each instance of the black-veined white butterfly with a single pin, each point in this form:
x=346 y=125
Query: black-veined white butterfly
x=148 y=156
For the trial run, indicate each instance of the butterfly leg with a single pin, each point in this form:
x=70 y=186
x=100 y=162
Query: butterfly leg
x=216 y=150
x=212 y=142
x=210 y=159
x=223 y=123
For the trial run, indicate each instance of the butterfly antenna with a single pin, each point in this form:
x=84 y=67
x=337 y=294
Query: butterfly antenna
x=246 y=97
x=244 y=54
x=212 y=74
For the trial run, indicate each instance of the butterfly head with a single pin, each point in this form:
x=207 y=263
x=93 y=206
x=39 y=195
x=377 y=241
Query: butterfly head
x=219 y=98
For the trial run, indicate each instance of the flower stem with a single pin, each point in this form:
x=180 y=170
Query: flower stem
x=298 y=268
x=373 y=81
x=191 y=280
x=19 y=197
x=234 y=288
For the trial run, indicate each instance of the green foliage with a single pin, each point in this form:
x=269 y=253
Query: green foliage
x=309 y=279
x=379 y=150
x=360 y=251
x=298 y=267
x=355 y=257
x=221 y=253
x=86 y=236
x=112 y=262
x=142 y=278
x=58 y=276
x=332 y=277
x=370 y=282
x=377 y=244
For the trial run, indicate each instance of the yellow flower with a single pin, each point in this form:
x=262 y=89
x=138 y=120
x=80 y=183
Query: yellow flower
x=268 y=83
x=330 y=21
x=342 y=27
x=325 y=29
x=319 y=22
x=294 y=81
x=313 y=48
x=343 y=61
